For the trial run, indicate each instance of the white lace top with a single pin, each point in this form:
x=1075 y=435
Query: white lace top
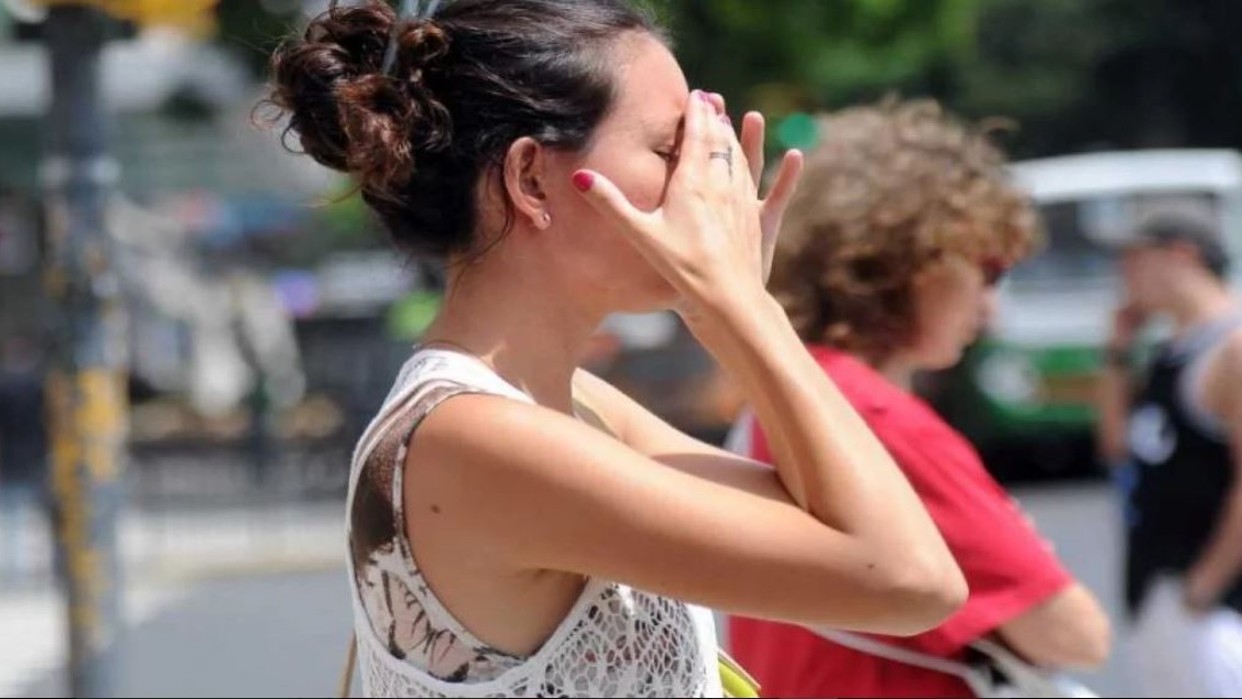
x=615 y=641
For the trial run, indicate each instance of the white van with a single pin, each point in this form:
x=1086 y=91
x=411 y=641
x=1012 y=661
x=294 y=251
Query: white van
x=1025 y=393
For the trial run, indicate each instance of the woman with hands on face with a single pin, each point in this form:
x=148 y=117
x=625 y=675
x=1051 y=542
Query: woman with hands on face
x=518 y=526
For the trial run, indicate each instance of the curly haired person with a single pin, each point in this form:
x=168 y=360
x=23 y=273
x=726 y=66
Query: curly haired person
x=888 y=263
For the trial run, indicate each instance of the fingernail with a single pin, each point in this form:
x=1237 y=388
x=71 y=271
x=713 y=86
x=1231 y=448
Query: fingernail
x=583 y=180
x=702 y=95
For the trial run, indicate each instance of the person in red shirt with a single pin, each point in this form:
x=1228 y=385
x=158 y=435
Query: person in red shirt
x=887 y=265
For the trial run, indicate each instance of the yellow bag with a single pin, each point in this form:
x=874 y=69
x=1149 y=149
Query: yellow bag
x=737 y=683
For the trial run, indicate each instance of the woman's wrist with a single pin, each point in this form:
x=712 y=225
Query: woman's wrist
x=751 y=340
x=732 y=312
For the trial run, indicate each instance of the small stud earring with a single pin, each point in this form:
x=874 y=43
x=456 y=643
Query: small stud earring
x=547 y=219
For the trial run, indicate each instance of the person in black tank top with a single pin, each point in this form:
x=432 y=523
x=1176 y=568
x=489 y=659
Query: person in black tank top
x=1177 y=436
x=1183 y=469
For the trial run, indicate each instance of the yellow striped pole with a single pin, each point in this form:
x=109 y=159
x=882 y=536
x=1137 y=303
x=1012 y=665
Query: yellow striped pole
x=86 y=386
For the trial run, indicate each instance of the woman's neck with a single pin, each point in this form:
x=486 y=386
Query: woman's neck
x=896 y=367
x=523 y=326
x=900 y=373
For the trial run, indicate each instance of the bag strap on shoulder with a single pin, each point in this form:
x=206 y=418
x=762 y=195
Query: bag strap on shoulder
x=870 y=646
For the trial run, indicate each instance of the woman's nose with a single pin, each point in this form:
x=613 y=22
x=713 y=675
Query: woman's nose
x=988 y=306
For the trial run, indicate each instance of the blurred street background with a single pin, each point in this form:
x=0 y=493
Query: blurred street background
x=267 y=315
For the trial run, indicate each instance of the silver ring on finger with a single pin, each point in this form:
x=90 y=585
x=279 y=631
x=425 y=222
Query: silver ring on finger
x=724 y=155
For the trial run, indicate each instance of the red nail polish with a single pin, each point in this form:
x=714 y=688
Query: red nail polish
x=583 y=180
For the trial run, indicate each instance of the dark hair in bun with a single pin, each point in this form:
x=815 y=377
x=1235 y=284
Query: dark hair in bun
x=464 y=85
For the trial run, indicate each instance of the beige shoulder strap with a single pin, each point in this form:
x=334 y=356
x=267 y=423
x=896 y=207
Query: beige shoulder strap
x=588 y=414
x=347 y=674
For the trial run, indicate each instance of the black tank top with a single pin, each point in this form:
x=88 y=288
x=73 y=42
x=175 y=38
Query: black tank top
x=1183 y=473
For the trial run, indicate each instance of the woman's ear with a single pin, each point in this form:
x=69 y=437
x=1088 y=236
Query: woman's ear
x=524 y=178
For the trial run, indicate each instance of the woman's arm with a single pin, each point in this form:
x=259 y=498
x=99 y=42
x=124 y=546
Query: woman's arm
x=525 y=489
x=1068 y=631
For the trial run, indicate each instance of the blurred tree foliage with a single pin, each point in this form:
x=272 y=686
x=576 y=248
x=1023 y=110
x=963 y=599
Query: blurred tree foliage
x=783 y=55
x=1109 y=73
x=1075 y=74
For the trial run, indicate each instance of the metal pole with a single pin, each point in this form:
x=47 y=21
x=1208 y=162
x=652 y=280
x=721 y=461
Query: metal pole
x=86 y=386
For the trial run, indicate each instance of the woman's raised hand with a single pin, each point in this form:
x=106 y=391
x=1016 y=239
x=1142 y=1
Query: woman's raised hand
x=712 y=237
x=784 y=184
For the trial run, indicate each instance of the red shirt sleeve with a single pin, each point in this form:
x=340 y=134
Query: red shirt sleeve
x=1008 y=566
x=758 y=445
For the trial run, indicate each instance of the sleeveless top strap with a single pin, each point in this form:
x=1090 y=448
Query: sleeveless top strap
x=400 y=604
x=1197 y=349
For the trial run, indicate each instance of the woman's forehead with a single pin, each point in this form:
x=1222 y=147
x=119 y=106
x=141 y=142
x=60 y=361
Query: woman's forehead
x=651 y=88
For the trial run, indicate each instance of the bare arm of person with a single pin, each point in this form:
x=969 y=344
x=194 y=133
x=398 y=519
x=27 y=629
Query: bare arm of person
x=1070 y=630
x=1113 y=402
x=713 y=529
x=1220 y=566
x=1113 y=408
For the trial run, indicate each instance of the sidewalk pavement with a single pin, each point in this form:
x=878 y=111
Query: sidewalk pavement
x=185 y=542
x=168 y=558
x=255 y=603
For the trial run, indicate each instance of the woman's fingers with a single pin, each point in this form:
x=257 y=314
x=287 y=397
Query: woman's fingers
x=699 y=136
x=724 y=157
x=752 y=144
x=786 y=184
x=710 y=142
x=775 y=205
x=611 y=203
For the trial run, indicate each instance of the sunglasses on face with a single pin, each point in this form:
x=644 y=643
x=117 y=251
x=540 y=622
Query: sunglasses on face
x=994 y=271
x=993 y=268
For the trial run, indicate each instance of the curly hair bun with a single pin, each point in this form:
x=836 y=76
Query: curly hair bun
x=464 y=85
x=348 y=114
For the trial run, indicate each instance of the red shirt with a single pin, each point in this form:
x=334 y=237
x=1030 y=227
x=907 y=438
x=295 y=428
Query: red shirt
x=1008 y=567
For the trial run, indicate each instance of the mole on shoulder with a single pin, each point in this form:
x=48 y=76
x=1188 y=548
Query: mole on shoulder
x=435 y=509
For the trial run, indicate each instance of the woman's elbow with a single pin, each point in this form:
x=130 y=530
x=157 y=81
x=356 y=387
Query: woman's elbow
x=1098 y=652
x=1088 y=646
x=926 y=594
x=1070 y=633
